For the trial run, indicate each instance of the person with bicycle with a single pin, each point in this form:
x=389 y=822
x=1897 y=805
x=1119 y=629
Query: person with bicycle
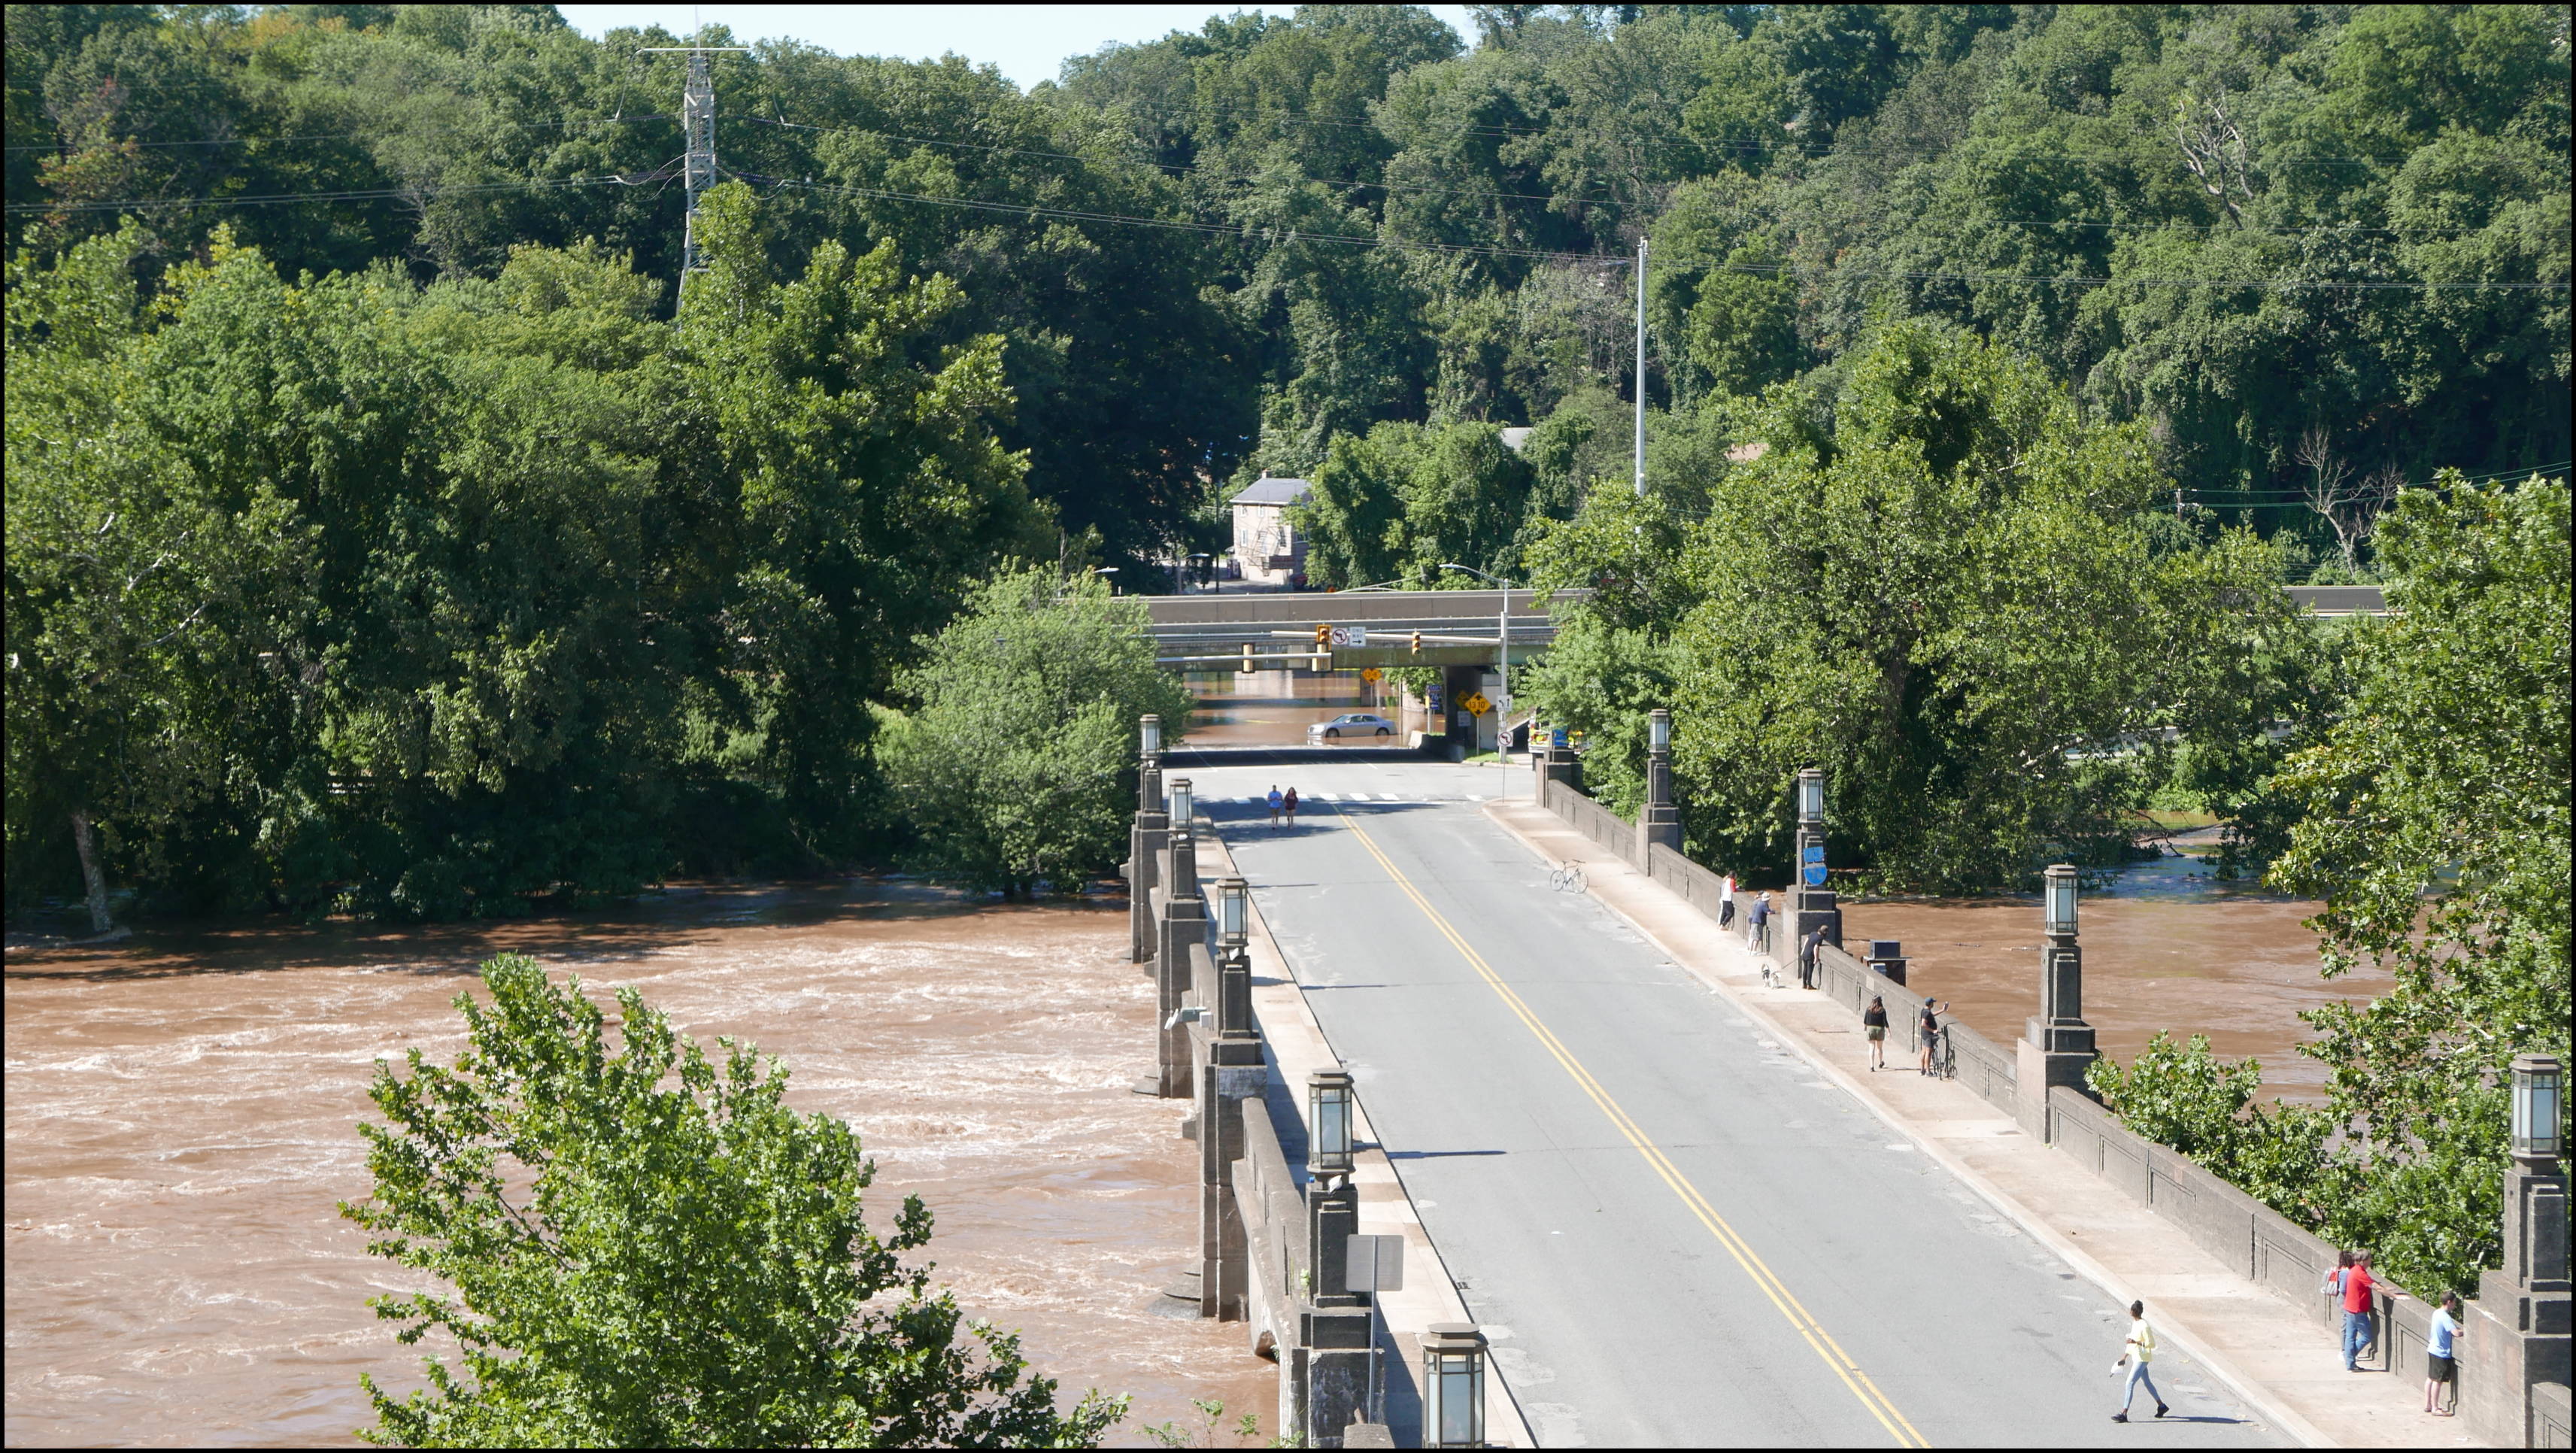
x=1928 y=1029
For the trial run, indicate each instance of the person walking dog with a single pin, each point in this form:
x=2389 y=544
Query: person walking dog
x=1873 y=1022
x=2137 y=1352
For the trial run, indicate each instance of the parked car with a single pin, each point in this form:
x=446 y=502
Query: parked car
x=1350 y=724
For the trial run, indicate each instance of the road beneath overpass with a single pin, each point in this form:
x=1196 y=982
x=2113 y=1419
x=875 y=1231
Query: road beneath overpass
x=1674 y=1231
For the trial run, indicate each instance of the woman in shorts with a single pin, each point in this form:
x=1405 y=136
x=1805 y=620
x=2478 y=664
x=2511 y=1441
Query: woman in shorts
x=1873 y=1022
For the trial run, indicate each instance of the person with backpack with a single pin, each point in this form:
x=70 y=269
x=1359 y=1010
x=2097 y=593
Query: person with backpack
x=1927 y=1028
x=1276 y=802
x=1290 y=802
x=2137 y=1352
x=1873 y=1023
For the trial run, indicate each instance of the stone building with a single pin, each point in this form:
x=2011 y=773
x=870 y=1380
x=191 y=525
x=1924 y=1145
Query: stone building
x=1267 y=546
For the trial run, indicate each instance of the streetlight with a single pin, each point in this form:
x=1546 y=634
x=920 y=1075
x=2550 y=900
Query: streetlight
x=1107 y=570
x=1328 y=1120
x=1453 y=1386
x=1180 y=804
x=1231 y=894
x=1811 y=795
x=2061 y=900
x=1659 y=730
x=1150 y=726
x=2538 y=1100
x=1503 y=653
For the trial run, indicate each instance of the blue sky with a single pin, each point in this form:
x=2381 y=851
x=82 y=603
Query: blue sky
x=1027 y=42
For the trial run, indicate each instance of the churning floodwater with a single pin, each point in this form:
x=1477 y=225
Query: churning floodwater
x=2167 y=946
x=181 y=1111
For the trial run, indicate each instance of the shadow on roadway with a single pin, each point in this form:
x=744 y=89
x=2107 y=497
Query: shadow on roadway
x=1286 y=755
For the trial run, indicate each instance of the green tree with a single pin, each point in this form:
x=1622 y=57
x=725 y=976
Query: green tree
x=2437 y=833
x=1015 y=761
x=645 y=1249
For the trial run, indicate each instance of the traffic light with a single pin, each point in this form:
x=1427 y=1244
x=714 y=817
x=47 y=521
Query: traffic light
x=1417 y=643
x=1323 y=638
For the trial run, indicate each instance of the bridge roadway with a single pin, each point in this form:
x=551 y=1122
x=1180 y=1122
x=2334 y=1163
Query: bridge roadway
x=1675 y=1232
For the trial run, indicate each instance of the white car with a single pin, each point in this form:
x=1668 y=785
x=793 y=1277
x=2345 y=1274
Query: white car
x=1350 y=724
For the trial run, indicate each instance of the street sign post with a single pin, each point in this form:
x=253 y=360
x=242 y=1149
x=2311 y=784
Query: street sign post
x=1476 y=703
x=1374 y=1264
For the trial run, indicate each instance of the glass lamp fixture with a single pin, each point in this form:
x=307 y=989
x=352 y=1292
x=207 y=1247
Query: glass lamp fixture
x=1328 y=1121
x=2539 y=1085
x=2061 y=899
x=1231 y=910
x=1453 y=1386
x=1811 y=795
x=1151 y=729
x=1180 y=803
x=1659 y=730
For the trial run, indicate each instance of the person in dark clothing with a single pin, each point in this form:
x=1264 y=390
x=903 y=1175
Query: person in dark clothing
x=1290 y=802
x=1927 y=1028
x=1873 y=1022
x=1807 y=957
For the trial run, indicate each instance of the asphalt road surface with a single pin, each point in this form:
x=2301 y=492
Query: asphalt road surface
x=1675 y=1233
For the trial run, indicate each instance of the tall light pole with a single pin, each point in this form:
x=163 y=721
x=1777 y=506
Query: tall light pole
x=1503 y=656
x=1641 y=366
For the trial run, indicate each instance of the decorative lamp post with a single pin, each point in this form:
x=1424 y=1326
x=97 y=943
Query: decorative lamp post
x=1184 y=843
x=1150 y=727
x=2061 y=901
x=1328 y=1121
x=2539 y=1100
x=1180 y=807
x=2058 y=1036
x=1661 y=821
x=1453 y=1386
x=1811 y=798
x=1231 y=912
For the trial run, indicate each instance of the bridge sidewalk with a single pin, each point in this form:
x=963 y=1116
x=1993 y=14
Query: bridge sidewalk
x=2278 y=1361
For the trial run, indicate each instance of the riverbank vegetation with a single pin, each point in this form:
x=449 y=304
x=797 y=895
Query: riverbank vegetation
x=388 y=534
x=642 y=1248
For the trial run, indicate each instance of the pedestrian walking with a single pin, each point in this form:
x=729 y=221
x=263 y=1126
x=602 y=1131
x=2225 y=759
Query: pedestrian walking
x=2137 y=1352
x=1757 y=926
x=2357 y=1334
x=1873 y=1022
x=2441 y=1358
x=1276 y=802
x=1290 y=802
x=1927 y=1028
x=1725 y=902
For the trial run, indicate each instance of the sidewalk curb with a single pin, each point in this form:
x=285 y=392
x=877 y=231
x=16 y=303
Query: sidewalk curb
x=2219 y=1365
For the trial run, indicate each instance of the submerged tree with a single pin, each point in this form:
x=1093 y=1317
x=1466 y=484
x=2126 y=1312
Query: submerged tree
x=648 y=1250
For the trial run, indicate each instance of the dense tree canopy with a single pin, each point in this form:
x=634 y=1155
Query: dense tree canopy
x=388 y=531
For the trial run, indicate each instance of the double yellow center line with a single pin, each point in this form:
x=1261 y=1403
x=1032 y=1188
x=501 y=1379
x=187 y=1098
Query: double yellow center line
x=1808 y=1327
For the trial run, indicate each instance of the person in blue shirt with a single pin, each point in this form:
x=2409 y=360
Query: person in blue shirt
x=1275 y=804
x=2441 y=1357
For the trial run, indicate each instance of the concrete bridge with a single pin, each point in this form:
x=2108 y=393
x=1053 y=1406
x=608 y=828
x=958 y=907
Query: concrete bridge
x=1646 y=1192
x=1379 y=628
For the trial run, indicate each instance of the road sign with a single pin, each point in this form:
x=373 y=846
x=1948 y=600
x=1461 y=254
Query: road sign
x=1431 y=696
x=1372 y=675
x=1812 y=864
x=1374 y=1264
x=1350 y=635
x=1476 y=702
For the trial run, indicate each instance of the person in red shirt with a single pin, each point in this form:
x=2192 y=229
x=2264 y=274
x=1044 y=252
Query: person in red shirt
x=2357 y=1335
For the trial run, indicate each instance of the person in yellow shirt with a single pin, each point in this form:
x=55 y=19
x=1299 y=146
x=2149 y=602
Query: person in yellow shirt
x=2137 y=1352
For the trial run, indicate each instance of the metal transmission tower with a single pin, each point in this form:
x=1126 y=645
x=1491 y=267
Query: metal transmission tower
x=698 y=127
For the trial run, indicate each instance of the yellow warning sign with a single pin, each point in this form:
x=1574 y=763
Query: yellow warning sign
x=1477 y=703
x=1372 y=674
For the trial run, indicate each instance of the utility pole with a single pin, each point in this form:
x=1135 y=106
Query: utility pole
x=698 y=131
x=1641 y=366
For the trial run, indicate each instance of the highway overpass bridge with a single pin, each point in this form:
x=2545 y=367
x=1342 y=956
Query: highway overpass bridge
x=1274 y=630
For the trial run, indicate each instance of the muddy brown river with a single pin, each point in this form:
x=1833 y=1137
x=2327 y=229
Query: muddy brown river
x=180 y=1113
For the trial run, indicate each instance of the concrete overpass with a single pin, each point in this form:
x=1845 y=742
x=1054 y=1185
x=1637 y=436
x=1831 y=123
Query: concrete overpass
x=1379 y=628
